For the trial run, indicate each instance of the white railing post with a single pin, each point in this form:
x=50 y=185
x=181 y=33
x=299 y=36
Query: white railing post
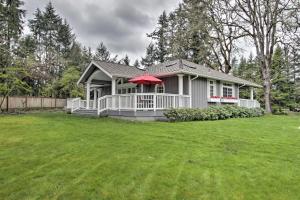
x=180 y=89
x=174 y=101
x=98 y=109
x=134 y=102
x=154 y=102
x=119 y=103
x=88 y=85
x=190 y=91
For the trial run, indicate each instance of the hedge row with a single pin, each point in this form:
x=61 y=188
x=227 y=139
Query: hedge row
x=212 y=113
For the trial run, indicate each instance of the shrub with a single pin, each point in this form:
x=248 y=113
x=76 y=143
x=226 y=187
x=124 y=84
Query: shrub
x=212 y=113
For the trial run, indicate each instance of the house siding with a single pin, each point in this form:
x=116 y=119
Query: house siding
x=185 y=85
x=199 y=93
x=236 y=90
x=219 y=88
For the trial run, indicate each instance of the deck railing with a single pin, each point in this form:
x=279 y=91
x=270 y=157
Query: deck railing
x=145 y=101
x=248 y=103
x=142 y=101
x=77 y=103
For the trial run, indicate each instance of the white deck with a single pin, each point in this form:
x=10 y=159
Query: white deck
x=144 y=102
x=134 y=102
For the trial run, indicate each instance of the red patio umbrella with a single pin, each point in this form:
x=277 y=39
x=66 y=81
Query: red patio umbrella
x=145 y=79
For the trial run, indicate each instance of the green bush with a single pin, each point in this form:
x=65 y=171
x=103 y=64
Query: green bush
x=212 y=113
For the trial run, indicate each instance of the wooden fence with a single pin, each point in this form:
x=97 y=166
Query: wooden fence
x=28 y=102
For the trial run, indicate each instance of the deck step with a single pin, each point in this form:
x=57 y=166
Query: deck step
x=89 y=112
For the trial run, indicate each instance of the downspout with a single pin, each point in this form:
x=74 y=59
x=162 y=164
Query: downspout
x=242 y=85
x=195 y=77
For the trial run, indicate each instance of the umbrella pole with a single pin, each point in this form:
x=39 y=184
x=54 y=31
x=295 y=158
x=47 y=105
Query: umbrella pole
x=142 y=88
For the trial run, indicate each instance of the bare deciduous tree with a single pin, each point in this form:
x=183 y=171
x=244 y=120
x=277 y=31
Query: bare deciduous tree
x=264 y=21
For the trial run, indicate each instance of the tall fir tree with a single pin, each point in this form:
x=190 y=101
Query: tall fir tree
x=149 y=58
x=11 y=26
x=160 y=36
x=282 y=89
x=102 y=53
x=177 y=34
x=126 y=60
x=136 y=63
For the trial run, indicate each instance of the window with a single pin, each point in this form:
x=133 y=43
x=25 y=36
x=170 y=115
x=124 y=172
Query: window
x=160 y=88
x=212 y=89
x=227 y=90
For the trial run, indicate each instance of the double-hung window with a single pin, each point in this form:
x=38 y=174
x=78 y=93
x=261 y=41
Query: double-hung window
x=212 y=89
x=227 y=90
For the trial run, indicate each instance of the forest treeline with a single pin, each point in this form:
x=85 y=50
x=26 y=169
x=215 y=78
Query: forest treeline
x=49 y=60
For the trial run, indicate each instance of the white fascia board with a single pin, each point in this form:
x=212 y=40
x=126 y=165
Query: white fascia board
x=90 y=65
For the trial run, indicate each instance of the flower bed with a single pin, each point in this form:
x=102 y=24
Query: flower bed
x=212 y=113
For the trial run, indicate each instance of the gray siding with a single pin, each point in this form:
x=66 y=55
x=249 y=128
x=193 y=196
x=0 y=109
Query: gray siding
x=199 y=93
x=236 y=90
x=219 y=88
x=185 y=85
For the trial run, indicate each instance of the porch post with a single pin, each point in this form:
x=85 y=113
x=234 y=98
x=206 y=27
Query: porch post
x=190 y=90
x=99 y=92
x=95 y=98
x=113 y=92
x=251 y=93
x=88 y=89
x=113 y=86
x=180 y=88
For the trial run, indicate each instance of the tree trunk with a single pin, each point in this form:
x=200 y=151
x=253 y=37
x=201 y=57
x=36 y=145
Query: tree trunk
x=267 y=86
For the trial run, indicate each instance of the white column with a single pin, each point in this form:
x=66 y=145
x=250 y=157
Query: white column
x=142 y=88
x=88 y=89
x=95 y=98
x=251 y=93
x=113 y=86
x=190 y=90
x=180 y=88
x=113 y=92
x=99 y=92
x=180 y=84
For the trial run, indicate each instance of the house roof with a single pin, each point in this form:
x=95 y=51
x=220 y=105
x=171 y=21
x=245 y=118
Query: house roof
x=162 y=69
x=186 y=67
x=120 y=70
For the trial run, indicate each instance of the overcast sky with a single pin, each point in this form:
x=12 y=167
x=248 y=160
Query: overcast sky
x=121 y=24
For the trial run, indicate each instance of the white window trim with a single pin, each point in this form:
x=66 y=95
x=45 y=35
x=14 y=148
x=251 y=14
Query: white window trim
x=156 y=87
x=232 y=86
x=208 y=87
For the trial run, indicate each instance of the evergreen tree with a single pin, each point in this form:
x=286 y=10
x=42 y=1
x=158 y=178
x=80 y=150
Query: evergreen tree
x=53 y=38
x=282 y=89
x=160 y=38
x=136 y=63
x=125 y=60
x=178 y=39
x=76 y=55
x=87 y=56
x=11 y=26
x=65 y=38
x=149 y=59
x=102 y=54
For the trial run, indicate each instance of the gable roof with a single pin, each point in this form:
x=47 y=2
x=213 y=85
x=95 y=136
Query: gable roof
x=160 y=70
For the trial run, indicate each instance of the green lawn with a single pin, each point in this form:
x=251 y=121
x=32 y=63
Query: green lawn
x=59 y=156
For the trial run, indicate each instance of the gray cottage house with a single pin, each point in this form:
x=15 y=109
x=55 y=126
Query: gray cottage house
x=185 y=85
